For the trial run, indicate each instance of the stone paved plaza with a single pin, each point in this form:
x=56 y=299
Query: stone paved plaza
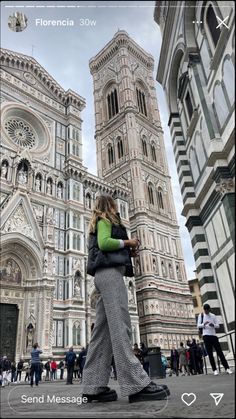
x=14 y=396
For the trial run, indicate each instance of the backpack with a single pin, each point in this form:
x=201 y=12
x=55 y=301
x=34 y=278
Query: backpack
x=200 y=329
x=70 y=358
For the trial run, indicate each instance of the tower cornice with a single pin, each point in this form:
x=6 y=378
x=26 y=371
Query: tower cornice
x=120 y=40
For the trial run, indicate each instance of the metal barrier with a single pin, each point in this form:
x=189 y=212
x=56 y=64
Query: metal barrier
x=231 y=343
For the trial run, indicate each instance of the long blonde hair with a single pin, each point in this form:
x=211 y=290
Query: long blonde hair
x=105 y=208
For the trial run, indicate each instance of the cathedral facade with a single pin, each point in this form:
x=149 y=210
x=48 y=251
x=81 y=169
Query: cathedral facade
x=47 y=197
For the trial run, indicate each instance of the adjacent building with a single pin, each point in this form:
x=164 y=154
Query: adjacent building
x=196 y=70
x=131 y=153
x=196 y=296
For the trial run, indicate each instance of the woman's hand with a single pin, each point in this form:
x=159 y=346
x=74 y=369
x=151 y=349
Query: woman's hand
x=133 y=243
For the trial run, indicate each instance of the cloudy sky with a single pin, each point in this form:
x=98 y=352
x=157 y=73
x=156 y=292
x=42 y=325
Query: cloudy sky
x=64 y=51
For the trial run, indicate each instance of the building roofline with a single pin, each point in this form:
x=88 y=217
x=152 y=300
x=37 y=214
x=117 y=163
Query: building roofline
x=25 y=62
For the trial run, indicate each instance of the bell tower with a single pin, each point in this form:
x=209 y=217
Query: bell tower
x=130 y=151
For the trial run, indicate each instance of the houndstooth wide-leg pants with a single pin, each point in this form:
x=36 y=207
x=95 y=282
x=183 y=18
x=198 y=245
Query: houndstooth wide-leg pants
x=112 y=335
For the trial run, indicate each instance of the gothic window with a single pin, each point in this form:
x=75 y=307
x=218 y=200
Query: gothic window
x=178 y=271
x=150 y=194
x=110 y=155
x=76 y=334
x=76 y=192
x=112 y=103
x=189 y=105
x=144 y=147
x=228 y=79
x=160 y=198
x=120 y=148
x=194 y=164
x=76 y=241
x=141 y=101
x=220 y=104
x=212 y=24
x=153 y=152
x=163 y=268
x=76 y=220
x=122 y=210
x=88 y=200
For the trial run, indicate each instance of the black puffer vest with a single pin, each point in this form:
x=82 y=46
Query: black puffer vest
x=99 y=259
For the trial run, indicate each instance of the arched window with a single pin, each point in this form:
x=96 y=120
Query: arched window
x=110 y=155
x=141 y=101
x=144 y=146
x=76 y=220
x=112 y=103
x=120 y=148
x=78 y=242
x=228 y=79
x=213 y=24
x=220 y=104
x=153 y=151
x=150 y=194
x=160 y=198
x=194 y=164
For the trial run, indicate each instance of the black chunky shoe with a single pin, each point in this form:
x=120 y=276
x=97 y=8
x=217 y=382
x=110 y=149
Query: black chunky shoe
x=151 y=392
x=106 y=395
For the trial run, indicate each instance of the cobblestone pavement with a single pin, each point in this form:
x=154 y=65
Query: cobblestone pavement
x=44 y=405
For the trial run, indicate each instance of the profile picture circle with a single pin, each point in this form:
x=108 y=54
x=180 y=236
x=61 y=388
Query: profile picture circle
x=17 y=22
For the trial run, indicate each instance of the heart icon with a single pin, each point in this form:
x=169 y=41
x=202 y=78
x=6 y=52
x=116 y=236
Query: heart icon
x=188 y=398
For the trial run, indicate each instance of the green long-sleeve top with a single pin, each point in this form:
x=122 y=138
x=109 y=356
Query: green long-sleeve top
x=105 y=241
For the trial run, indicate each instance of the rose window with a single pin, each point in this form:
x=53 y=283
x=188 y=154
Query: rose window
x=21 y=133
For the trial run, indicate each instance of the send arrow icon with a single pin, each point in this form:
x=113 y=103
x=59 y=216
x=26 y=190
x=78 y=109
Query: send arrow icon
x=217 y=397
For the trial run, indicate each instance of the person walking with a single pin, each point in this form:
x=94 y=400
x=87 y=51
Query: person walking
x=61 y=367
x=6 y=371
x=164 y=364
x=53 y=368
x=35 y=364
x=27 y=371
x=144 y=351
x=70 y=362
x=82 y=360
x=13 y=372
x=183 y=360
x=47 y=367
x=207 y=321
x=109 y=260
x=19 y=370
x=174 y=362
x=76 y=368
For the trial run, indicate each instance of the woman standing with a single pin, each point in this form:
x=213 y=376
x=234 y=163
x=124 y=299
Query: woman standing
x=109 y=260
